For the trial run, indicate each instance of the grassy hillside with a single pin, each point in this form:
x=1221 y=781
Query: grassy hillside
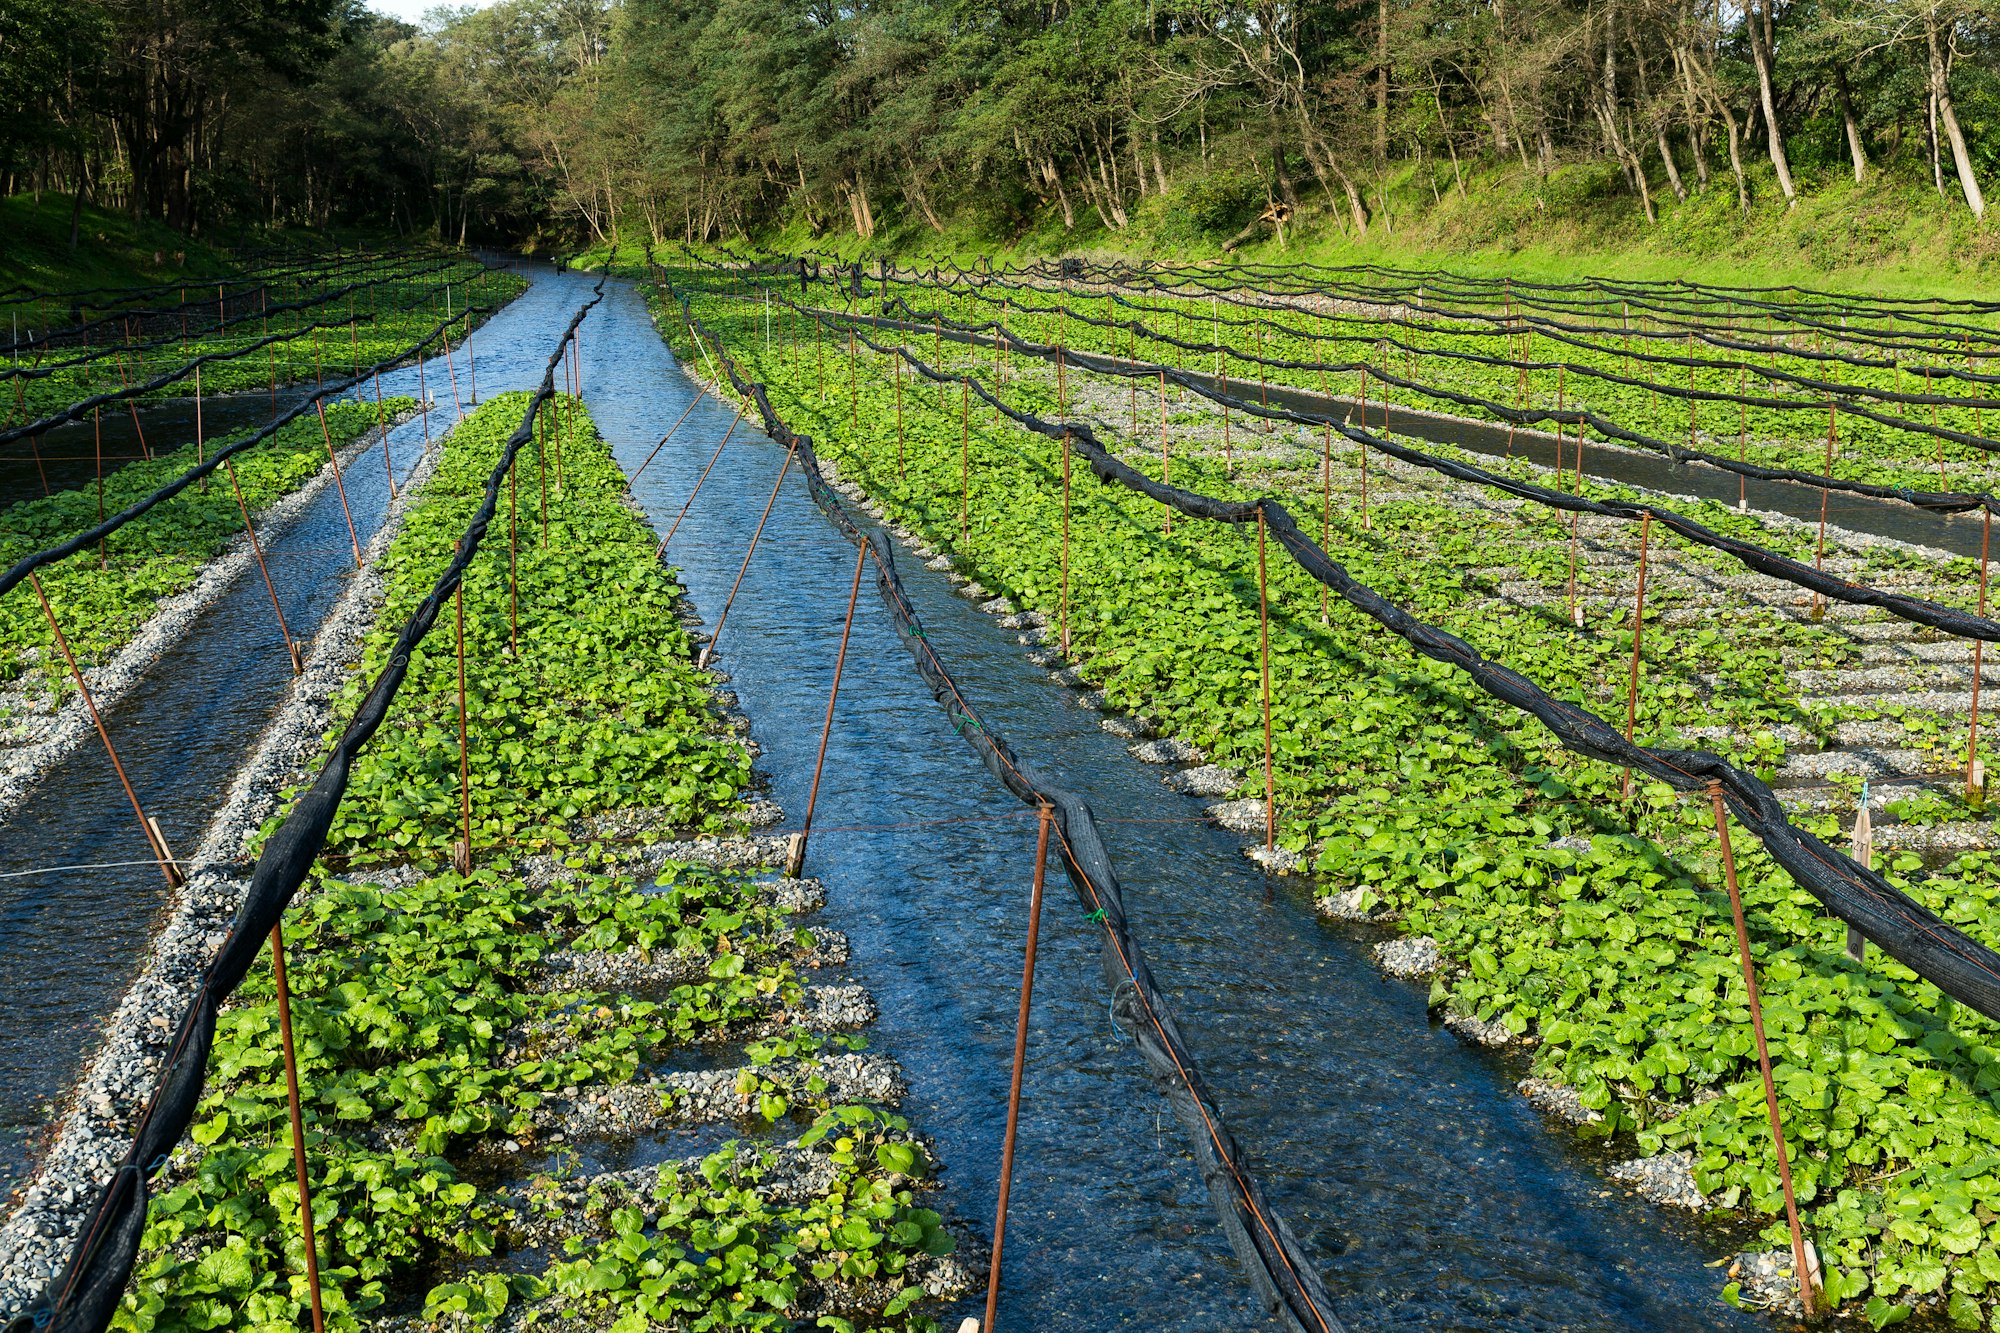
x=111 y=250
x=1889 y=235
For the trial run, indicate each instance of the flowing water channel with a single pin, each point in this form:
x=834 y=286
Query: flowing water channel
x=77 y=901
x=1431 y=1195
x=1434 y=1197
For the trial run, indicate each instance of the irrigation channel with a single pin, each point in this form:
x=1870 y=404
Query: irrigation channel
x=1429 y=1194
x=69 y=455
x=77 y=936
x=1432 y=1196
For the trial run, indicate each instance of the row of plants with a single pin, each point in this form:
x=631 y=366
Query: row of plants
x=102 y=597
x=1592 y=925
x=1247 y=344
x=457 y=1031
x=407 y=295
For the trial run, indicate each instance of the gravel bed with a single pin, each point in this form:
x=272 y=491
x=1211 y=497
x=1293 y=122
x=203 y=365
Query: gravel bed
x=685 y=1097
x=1666 y=1179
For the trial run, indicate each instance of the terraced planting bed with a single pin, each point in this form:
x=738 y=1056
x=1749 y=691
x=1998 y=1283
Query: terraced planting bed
x=289 y=327
x=591 y=1081
x=143 y=585
x=1552 y=915
x=1914 y=390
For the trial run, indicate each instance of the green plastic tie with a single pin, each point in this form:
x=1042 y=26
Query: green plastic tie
x=1097 y=916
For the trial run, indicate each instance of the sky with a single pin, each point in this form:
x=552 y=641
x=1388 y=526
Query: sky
x=413 y=10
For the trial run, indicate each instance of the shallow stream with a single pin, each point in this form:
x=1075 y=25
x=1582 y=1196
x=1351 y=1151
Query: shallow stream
x=1432 y=1196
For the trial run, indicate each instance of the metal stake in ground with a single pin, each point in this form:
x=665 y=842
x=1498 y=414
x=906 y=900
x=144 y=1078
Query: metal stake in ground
x=256 y=549
x=1808 y=1295
x=542 y=462
x=382 y=424
x=964 y=466
x=708 y=649
x=339 y=485
x=694 y=402
x=1264 y=663
x=1020 y=1060
x=1575 y=520
x=795 y=862
x=513 y=563
x=1975 y=772
x=899 y=416
x=662 y=550
x=1166 y=454
x=1638 y=628
x=1064 y=640
x=1819 y=548
x=423 y=399
x=298 y=1125
x=1363 y=445
x=150 y=830
x=463 y=858
x=452 y=371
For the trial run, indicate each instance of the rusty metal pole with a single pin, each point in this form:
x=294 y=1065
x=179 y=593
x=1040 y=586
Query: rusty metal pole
x=471 y=370
x=464 y=858
x=35 y=447
x=1742 y=435
x=382 y=424
x=796 y=861
x=1020 y=1060
x=964 y=465
x=542 y=462
x=708 y=649
x=1575 y=528
x=853 y=384
x=146 y=826
x=1166 y=454
x=899 y=415
x=1975 y=773
x=699 y=393
x=1808 y=1295
x=339 y=485
x=1264 y=662
x=452 y=371
x=1363 y=445
x=513 y=563
x=1064 y=607
x=298 y=1125
x=423 y=398
x=1819 y=548
x=257 y=549
x=662 y=549
x=1638 y=628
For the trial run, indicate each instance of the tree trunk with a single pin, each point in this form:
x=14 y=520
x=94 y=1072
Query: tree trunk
x=1854 y=148
x=1736 y=157
x=1054 y=178
x=1931 y=141
x=1941 y=91
x=1759 y=23
x=1381 y=80
x=1697 y=136
x=1667 y=156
